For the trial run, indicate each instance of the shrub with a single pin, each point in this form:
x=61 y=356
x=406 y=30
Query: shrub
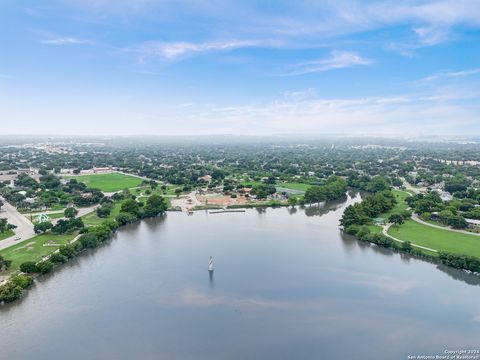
x=28 y=267
x=352 y=229
x=13 y=289
x=125 y=218
x=89 y=241
x=45 y=267
x=466 y=262
x=58 y=258
x=68 y=251
x=363 y=232
x=406 y=247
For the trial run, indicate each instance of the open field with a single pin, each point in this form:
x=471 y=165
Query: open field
x=109 y=182
x=438 y=239
x=6 y=234
x=33 y=249
x=294 y=186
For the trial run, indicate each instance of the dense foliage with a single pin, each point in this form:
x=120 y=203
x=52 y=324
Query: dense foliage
x=373 y=205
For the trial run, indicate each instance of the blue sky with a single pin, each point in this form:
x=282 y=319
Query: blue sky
x=239 y=67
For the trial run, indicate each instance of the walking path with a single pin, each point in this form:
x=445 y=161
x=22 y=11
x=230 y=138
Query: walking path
x=385 y=232
x=420 y=221
x=24 y=228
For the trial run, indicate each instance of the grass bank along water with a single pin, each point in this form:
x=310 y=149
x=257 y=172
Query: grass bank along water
x=457 y=250
x=90 y=237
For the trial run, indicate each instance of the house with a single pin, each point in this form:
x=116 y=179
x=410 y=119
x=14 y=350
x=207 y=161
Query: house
x=446 y=196
x=206 y=178
x=473 y=224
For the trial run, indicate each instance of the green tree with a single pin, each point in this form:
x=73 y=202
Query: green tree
x=42 y=227
x=44 y=267
x=4 y=263
x=130 y=206
x=155 y=205
x=70 y=212
x=396 y=219
x=292 y=201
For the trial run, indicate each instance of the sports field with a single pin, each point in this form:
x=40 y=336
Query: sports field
x=109 y=182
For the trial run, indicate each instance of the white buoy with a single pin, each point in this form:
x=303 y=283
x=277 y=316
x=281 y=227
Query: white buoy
x=210 y=264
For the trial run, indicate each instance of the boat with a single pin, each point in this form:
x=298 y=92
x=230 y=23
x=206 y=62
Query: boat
x=210 y=264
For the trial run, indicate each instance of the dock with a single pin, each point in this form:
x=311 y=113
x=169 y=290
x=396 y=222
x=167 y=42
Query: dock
x=226 y=211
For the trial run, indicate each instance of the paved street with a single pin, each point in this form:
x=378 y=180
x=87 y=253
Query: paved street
x=24 y=228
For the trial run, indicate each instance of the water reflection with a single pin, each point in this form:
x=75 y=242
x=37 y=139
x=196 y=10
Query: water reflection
x=261 y=210
x=323 y=208
x=292 y=210
x=457 y=274
x=211 y=279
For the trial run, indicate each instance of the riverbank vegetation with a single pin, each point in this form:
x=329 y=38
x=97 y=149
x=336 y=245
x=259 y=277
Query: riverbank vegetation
x=450 y=248
x=41 y=254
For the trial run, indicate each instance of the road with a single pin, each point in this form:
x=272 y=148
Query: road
x=24 y=228
x=81 y=211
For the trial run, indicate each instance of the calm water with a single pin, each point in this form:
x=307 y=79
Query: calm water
x=287 y=285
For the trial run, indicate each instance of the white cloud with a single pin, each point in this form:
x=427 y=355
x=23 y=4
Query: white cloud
x=336 y=60
x=65 y=40
x=401 y=114
x=452 y=74
x=300 y=95
x=431 y=35
x=174 y=50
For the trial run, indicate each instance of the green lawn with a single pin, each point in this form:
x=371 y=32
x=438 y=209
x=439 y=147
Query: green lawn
x=375 y=229
x=438 y=239
x=294 y=186
x=33 y=249
x=93 y=219
x=401 y=205
x=6 y=234
x=109 y=182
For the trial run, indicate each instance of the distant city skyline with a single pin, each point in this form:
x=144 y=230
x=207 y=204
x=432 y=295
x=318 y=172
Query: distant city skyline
x=146 y=67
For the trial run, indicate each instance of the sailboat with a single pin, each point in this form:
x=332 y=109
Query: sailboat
x=210 y=264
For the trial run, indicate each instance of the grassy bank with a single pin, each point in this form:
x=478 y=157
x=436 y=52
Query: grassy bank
x=438 y=239
x=35 y=248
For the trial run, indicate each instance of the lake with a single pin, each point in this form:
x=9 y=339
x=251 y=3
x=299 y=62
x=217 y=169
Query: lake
x=287 y=285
